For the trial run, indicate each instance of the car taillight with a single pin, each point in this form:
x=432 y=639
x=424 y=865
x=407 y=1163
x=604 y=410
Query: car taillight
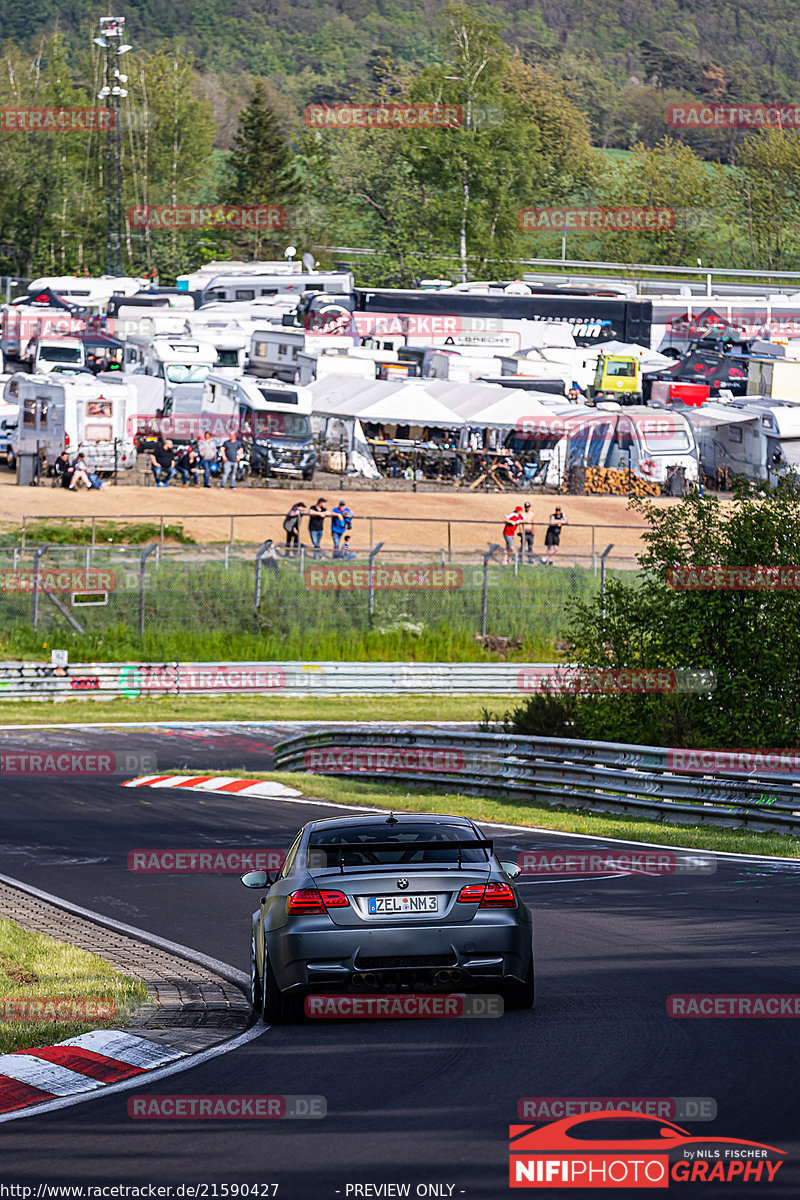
x=488 y=895
x=66 y=439
x=311 y=901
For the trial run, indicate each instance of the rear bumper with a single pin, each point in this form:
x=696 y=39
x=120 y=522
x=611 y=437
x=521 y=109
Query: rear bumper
x=474 y=956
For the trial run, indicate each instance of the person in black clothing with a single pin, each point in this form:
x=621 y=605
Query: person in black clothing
x=316 y=520
x=63 y=470
x=188 y=465
x=291 y=523
x=162 y=461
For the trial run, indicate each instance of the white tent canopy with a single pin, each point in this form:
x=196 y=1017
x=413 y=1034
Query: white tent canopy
x=411 y=406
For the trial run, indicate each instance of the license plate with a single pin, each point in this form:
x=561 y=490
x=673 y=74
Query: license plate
x=402 y=904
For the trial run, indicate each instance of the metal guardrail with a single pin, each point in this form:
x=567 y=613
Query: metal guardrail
x=40 y=681
x=597 y=776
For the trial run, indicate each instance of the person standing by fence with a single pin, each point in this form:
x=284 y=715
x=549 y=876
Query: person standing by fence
x=316 y=520
x=526 y=531
x=552 y=539
x=513 y=522
x=341 y=521
x=291 y=524
x=207 y=449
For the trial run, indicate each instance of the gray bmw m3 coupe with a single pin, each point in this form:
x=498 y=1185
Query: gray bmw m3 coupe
x=388 y=904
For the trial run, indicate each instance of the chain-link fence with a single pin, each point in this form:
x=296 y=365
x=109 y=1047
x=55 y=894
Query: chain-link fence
x=298 y=601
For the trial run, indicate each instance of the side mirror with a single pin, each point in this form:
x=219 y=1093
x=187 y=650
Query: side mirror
x=257 y=879
x=511 y=869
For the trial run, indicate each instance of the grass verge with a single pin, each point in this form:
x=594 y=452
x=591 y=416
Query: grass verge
x=402 y=798
x=33 y=965
x=245 y=708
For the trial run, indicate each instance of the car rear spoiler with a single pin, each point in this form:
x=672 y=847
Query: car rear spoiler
x=439 y=844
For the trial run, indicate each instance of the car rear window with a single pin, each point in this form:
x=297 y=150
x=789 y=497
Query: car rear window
x=354 y=845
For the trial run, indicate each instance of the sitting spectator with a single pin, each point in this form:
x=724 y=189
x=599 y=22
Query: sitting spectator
x=63 y=470
x=188 y=466
x=345 y=551
x=162 y=462
x=90 y=467
x=81 y=473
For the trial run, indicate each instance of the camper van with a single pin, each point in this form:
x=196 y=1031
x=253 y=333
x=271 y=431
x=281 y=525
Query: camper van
x=73 y=413
x=750 y=436
x=90 y=294
x=44 y=354
x=274 y=353
x=274 y=418
x=174 y=359
x=651 y=441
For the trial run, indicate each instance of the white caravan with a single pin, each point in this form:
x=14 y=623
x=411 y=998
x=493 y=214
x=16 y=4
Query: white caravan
x=74 y=413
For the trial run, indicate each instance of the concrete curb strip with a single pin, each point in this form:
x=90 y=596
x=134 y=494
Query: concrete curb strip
x=193 y=1004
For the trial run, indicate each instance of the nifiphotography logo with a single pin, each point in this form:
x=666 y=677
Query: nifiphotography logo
x=624 y=1149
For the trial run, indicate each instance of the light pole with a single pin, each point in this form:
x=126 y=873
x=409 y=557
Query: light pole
x=110 y=40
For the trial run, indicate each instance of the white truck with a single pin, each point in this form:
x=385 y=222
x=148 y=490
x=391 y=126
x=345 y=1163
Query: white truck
x=74 y=413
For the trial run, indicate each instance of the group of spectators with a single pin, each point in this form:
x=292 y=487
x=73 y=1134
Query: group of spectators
x=340 y=517
x=520 y=523
x=71 y=474
x=188 y=462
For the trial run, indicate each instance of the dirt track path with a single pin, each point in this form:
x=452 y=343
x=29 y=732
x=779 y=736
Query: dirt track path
x=206 y=515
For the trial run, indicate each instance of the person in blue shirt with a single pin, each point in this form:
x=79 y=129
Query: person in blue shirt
x=341 y=521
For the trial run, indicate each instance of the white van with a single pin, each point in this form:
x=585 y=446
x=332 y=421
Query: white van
x=274 y=418
x=74 y=413
x=44 y=354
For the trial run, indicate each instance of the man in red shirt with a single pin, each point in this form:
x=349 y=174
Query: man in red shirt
x=513 y=521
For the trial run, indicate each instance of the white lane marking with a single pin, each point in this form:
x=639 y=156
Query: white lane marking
x=47 y=1076
x=126 y=1085
x=125 y=1048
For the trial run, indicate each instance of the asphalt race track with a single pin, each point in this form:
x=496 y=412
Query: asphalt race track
x=419 y=1102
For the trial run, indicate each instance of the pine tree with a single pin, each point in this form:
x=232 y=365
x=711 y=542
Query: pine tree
x=261 y=166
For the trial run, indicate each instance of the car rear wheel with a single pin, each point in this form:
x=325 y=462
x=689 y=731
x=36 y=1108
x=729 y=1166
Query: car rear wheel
x=520 y=995
x=255 y=979
x=276 y=1008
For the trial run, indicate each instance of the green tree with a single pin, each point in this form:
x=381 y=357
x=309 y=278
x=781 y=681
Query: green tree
x=749 y=639
x=261 y=167
x=763 y=196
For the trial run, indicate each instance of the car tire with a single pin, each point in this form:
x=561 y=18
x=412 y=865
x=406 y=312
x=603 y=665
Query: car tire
x=276 y=1007
x=255 y=979
x=520 y=995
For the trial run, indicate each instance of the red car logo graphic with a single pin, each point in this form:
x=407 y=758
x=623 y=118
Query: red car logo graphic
x=578 y=1152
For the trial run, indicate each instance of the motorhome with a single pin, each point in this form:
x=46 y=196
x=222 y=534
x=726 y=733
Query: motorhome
x=231 y=344
x=274 y=418
x=235 y=288
x=274 y=353
x=90 y=294
x=21 y=323
x=178 y=360
x=43 y=354
x=750 y=436
x=775 y=377
x=74 y=413
x=652 y=442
